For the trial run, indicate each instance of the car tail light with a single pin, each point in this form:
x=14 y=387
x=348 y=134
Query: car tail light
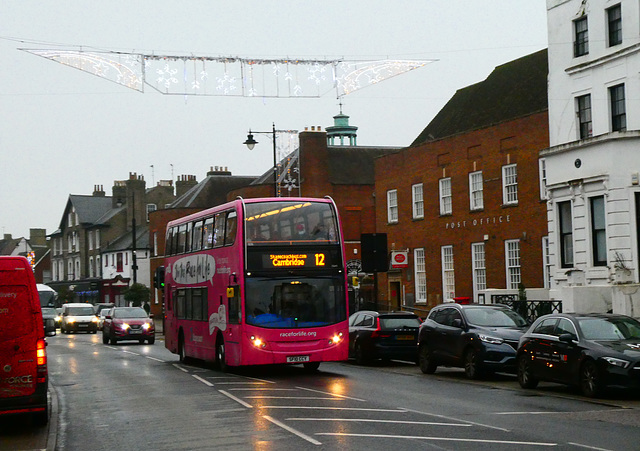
x=378 y=332
x=41 y=362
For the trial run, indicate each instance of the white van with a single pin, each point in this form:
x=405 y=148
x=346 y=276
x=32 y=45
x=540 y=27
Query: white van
x=24 y=378
x=78 y=317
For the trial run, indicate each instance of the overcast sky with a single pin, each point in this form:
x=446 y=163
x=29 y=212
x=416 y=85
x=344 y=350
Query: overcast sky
x=62 y=130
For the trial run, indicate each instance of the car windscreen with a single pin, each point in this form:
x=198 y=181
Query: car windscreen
x=81 y=311
x=133 y=312
x=609 y=328
x=399 y=322
x=493 y=317
x=46 y=311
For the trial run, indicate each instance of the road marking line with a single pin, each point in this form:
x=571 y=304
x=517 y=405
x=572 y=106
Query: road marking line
x=259 y=380
x=262 y=389
x=562 y=413
x=366 y=420
x=589 y=447
x=334 y=408
x=293 y=431
x=332 y=394
x=292 y=397
x=180 y=368
x=129 y=352
x=241 y=383
x=204 y=381
x=157 y=360
x=445 y=439
x=229 y=395
x=459 y=419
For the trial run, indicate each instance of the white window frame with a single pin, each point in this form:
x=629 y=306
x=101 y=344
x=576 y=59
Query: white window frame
x=448 y=273
x=542 y=168
x=392 y=206
x=417 y=201
x=512 y=264
x=546 y=262
x=446 y=204
x=98 y=266
x=476 y=192
x=510 y=184
x=91 y=267
x=98 y=239
x=420 y=275
x=90 y=233
x=150 y=208
x=479 y=266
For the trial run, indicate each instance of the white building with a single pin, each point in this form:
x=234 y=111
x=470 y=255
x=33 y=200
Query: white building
x=592 y=169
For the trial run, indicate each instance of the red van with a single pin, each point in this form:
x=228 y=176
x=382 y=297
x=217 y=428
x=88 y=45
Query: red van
x=23 y=358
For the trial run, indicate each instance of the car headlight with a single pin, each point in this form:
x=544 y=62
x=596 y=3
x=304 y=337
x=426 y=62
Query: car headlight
x=71 y=319
x=146 y=326
x=490 y=339
x=616 y=362
x=95 y=319
x=125 y=326
x=58 y=318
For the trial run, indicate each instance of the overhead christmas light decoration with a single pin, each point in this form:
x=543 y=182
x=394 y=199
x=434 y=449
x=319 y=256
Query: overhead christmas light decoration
x=231 y=76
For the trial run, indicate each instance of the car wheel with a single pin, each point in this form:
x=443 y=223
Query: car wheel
x=426 y=361
x=141 y=341
x=361 y=358
x=311 y=366
x=152 y=340
x=182 y=354
x=525 y=378
x=105 y=339
x=590 y=379
x=472 y=367
x=221 y=356
x=113 y=340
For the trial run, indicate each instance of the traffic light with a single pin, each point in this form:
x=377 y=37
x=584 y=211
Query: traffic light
x=158 y=278
x=355 y=282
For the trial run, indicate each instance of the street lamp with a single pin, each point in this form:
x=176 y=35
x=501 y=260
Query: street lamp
x=250 y=143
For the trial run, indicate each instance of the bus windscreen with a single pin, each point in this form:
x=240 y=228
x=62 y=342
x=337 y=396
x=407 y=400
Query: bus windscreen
x=293 y=302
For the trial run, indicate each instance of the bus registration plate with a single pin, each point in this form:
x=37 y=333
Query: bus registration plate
x=297 y=358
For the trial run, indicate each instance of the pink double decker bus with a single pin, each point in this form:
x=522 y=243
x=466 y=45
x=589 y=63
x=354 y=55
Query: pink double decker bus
x=257 y=282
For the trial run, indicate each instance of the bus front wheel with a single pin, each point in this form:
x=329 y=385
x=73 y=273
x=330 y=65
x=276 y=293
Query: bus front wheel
x=221 y=356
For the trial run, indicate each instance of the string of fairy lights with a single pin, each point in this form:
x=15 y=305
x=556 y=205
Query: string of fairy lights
x=231 y=76
x=234 y=76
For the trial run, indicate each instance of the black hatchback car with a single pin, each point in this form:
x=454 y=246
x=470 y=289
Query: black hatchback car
x=480 y=338
x=590 y=351
x=392 y=335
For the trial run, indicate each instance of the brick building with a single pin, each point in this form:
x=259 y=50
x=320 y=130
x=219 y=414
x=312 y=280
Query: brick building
x=462 y=205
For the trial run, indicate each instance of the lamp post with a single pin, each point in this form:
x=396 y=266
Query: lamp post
x=250 y=143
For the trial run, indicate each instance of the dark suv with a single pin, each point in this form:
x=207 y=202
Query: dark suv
x=480 y=338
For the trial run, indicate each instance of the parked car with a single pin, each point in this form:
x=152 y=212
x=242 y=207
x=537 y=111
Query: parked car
x=23 y=354
x=128 y=323
x=49 y=315
x=481 y=338
x=374 y=335
x=77 y=317
x=590 y=351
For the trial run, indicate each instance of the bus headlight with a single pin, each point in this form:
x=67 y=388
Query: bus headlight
x=337 y=338
x=258 y=342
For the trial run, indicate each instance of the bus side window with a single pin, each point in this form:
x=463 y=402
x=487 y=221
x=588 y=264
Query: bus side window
x=196 y=242
x=207 y=234
x=187 y=238
x=169 y=242
x=230 y=233
x=218 y=234
x=182 y=238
